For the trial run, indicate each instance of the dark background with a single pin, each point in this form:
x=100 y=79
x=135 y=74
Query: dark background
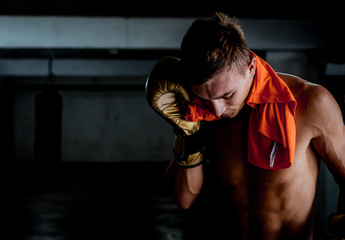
x=83 y=154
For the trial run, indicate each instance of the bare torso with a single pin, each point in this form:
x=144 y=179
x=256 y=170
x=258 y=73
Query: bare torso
x=265 y=204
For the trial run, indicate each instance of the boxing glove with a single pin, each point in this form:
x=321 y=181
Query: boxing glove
x=169 y=98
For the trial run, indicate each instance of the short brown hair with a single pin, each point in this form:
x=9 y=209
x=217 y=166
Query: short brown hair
x=211 y=44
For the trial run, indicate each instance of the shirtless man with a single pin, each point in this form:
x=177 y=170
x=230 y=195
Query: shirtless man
x=257 y=202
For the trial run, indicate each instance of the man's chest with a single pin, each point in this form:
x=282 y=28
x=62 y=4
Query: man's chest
x=229 y=151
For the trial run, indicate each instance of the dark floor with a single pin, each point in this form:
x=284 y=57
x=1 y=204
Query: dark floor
x=98 y=201
x=90 y=201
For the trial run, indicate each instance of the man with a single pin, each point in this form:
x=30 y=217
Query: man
x=266 y=134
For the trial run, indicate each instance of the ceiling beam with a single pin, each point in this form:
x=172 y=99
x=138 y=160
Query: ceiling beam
x=146 y=33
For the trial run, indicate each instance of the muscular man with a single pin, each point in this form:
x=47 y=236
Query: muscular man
x=264 y=150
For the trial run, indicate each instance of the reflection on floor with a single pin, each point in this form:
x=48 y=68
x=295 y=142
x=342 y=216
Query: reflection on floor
x=99 y=201
x=91 y=201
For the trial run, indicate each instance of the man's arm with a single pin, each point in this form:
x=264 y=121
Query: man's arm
x=329 y=140
x=186 y=183
x=167 y=95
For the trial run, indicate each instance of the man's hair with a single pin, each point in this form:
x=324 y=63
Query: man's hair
x=211 y=44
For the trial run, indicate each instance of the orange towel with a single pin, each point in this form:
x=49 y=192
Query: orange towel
x=197 y=112
x=271 y=130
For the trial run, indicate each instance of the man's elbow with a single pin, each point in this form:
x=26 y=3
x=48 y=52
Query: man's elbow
x=185 y=200
x=182 y=203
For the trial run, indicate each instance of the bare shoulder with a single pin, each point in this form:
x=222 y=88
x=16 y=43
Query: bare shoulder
x=299 y=86
x=314 y=102
x=308 y=93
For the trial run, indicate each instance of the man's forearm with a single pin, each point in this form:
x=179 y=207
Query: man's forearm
x=187 y=184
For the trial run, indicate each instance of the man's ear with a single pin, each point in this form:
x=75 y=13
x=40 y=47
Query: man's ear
x=252 y=65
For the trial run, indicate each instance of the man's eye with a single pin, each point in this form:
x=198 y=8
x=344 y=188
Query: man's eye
x=227 y=96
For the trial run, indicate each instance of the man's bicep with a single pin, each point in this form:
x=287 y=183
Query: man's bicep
x=331 y=151
x=330 y=140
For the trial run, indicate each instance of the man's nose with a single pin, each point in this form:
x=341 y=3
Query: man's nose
x=217 y=107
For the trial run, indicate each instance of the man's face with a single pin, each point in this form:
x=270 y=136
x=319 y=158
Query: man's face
x=225 y=93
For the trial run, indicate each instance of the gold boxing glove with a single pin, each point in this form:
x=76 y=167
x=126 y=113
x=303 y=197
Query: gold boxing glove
x=169 y=98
